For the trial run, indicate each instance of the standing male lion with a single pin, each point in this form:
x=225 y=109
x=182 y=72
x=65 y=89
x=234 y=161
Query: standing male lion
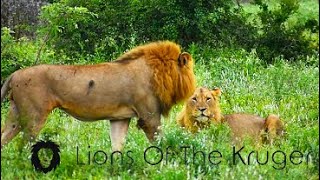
x=144 y=82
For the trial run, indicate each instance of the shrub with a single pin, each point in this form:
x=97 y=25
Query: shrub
x=104 y=29
x=14 y=53
x=101 y=27
x=278 y=38
x=64 y=26
x=19 y=53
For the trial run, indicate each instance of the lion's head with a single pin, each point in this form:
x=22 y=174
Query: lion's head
x=201 y=109
x=203 y=105
x=173 y=78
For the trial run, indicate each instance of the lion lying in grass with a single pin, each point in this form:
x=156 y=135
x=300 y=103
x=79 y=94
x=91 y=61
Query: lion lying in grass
x=202 y=109
x=144 y=82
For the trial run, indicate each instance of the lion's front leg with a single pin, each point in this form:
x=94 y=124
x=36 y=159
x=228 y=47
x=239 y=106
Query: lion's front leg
x=149 y=114
x=151 y=126
x=118 y=132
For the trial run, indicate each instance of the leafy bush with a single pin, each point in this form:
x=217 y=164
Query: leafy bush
x=102 y=27
x=19 y=53
x=98 y=30
x=64 y=27
x=276 y=37
x=208 y=22
x=14 y=53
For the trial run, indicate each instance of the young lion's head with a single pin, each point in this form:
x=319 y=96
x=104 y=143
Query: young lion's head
x=203 y=105
x=201 y=109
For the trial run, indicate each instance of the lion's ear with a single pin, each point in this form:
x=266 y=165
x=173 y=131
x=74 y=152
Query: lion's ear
x=216 y=92
x=184 y=59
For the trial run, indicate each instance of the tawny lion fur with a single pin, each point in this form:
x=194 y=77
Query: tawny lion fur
x=203 y=108
x=144 y=82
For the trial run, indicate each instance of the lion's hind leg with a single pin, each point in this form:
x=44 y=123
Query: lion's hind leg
x=32 y=117
x=12 y=126
x=274 y=127
x=33 y=122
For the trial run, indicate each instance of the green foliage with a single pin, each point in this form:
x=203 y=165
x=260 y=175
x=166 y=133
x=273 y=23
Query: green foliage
x=207 y=22
x=8 y=60
x=87 y=28
x=106 y=27
x=98 y=30
x=65 y=25
x=19 y=53
x=277 y=37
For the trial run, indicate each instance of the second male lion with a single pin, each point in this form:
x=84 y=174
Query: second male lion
x=144 y=83
x=202 y=109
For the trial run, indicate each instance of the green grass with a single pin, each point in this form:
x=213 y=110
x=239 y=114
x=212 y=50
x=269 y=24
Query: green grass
x=287 y=89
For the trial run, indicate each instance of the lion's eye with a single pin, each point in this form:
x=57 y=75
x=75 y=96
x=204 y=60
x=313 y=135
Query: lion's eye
x=208 y=99
x=194 y=99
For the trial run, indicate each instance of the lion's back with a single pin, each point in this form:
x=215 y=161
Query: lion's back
x=30 y=74
x=242 y=124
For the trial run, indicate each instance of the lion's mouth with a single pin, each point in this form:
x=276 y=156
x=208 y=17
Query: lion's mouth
x=202 y=118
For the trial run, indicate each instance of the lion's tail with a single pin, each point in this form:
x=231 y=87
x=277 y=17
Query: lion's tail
x=5 y=87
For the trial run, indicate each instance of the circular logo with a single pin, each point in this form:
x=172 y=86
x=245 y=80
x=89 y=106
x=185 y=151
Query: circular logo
x=55 y=161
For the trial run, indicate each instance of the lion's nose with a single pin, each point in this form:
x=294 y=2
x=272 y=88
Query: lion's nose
x=202 y=109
